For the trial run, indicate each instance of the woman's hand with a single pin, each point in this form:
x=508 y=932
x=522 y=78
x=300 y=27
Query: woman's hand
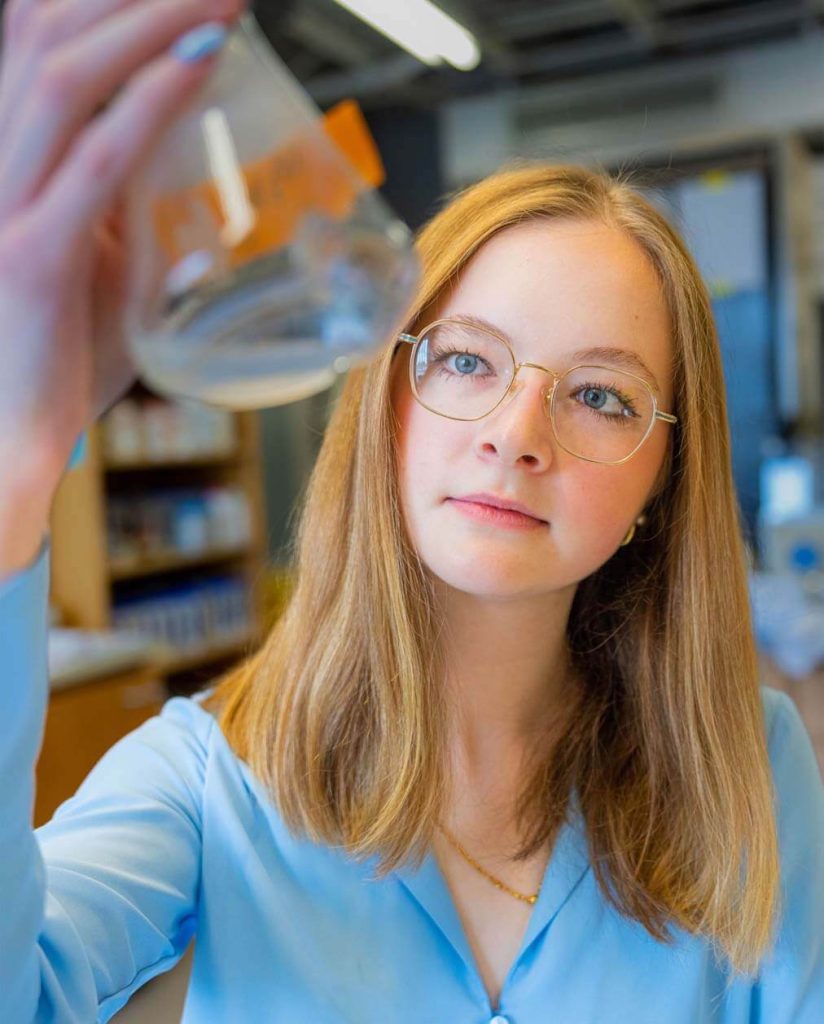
x=87 y=87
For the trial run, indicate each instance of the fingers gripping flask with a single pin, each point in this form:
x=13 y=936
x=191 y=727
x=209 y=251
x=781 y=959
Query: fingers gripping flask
x=262 y=262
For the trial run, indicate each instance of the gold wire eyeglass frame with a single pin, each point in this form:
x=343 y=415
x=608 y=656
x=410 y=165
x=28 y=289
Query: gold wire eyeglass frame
x=549 y=406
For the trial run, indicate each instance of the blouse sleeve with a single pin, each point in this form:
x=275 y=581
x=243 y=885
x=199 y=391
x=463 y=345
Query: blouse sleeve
x=103 y=897
x=790 y=987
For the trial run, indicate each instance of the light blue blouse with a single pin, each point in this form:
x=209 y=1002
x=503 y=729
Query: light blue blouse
x=171 y=837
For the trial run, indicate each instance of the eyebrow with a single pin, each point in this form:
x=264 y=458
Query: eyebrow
x=622 y=357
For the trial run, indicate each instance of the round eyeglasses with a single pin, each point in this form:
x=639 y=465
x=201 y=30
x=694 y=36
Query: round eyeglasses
x=464 y=372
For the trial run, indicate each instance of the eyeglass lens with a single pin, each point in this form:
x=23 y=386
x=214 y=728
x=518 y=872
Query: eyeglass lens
x=463 y=372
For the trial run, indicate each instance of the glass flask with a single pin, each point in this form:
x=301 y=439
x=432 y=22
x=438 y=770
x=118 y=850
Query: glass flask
x=262 y=263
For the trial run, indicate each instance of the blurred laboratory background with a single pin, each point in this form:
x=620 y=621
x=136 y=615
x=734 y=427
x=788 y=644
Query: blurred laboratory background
x=170 y=536
x=170 y=540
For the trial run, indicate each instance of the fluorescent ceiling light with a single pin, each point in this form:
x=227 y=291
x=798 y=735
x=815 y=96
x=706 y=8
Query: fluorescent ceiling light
x=420 y=27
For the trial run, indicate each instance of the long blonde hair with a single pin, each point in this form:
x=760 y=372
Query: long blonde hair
x=341 y=715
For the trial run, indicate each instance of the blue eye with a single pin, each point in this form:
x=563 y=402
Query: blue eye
x=456 y=362
x=606 y=401
x=595 y=398
x=466 y=361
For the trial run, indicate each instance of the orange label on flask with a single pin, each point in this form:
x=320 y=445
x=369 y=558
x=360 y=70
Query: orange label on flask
x=257 y=208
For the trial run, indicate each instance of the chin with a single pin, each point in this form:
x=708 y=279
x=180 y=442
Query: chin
x=490 y=575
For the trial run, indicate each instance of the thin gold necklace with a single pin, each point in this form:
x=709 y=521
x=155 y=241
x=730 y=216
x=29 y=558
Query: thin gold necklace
x=495 y=881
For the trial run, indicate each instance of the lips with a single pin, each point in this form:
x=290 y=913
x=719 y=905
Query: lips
x=498 y=502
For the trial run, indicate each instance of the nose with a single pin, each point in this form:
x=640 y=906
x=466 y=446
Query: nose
x=547 y=382
x=544 y=385
x=520 y=427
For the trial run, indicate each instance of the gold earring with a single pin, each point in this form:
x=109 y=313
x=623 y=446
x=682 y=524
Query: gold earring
x=631 y=532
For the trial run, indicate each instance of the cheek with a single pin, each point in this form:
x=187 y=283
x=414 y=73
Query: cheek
x=418 y=453
x=602 y=501
x=422 y=456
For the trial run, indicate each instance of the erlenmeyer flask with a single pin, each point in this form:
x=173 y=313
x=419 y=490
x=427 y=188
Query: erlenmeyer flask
x=263 y=264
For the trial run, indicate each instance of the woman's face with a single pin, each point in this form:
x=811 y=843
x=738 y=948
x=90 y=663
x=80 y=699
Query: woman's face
x=552 y=287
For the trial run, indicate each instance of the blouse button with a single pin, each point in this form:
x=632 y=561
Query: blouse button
x=499 y=1019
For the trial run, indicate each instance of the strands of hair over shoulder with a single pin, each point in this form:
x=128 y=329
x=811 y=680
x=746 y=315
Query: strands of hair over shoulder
x=341 y=713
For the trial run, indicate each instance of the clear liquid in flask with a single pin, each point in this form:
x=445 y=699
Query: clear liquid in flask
x=282 y=327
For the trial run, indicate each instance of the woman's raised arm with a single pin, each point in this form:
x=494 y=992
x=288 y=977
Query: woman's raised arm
x=104 y=896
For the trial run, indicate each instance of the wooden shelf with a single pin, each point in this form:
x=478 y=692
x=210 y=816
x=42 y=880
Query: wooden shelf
x=183 y=461
x=84 y=577
x=211 y=652
x=86 y=718
x=149 y=565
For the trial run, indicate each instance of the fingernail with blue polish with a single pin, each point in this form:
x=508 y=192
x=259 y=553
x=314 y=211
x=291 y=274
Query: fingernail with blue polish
x=200 y=42
x=79 y=454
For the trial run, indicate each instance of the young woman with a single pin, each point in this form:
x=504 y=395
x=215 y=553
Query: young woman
x=504 y=758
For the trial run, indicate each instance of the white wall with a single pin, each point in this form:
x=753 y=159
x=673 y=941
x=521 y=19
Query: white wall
x=763 y=91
